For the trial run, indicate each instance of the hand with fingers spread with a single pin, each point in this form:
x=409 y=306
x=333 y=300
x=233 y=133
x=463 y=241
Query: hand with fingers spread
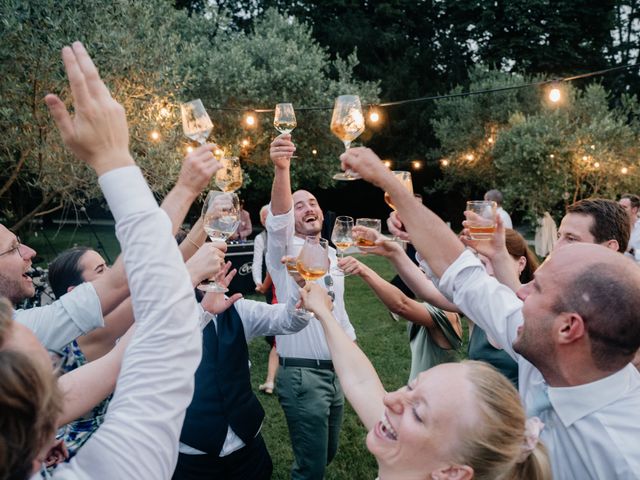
x=197 y=169
x=206 y=262
x=281 y=150
x=216 y=303
x=316 y=299
x=97 y=133
x=395 y=226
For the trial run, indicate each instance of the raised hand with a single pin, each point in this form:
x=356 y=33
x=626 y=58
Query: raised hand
x=490 y=248
x=395 y=226
x=281 y=150
x=97 y=133
x=197 y=169
x=315 y=299
x=367 y=164
x=206 y=262
x=218 y=302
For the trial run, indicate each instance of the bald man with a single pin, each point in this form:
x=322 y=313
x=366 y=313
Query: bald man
x=573 y=332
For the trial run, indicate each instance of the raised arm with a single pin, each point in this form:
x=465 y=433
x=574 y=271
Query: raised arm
x=281 y=150
x=358 y=378
x=433 y=239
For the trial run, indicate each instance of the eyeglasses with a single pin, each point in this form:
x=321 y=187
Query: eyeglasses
x=16 y=247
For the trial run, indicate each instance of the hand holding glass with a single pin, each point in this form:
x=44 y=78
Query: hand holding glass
x=405 y=180
x=284 y=119
x=482 y=224
x=196 y=123
x=372 y=223
x=341 y=236
x=221 y=217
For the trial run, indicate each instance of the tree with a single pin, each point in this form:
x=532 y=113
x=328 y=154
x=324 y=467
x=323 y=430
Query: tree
x=542 y=157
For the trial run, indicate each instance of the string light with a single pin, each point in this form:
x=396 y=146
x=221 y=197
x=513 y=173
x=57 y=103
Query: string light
x=164 y=112
x=245 y=142
x=596 y=165
x=552 y=156
x=155 y=135
x=593 y=147
x=624 y=170
x=218 y=153
x=387 y=163
x=374 y=116
x=314 y=152
x=555 y=95
x=469 y=156
x=585 y=158
x=416 y=164
x=189 y=149
x=250 y=119
x=490 y=140
x=444 y=162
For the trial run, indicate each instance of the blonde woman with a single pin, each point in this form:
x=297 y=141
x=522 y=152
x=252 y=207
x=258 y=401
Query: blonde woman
x=454 y=421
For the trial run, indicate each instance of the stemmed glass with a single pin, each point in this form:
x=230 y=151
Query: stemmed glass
x=285 y=118
x=196 y=123
x=313 y=260
x=347 y=123
x=405 y=179
x=229 y=177
x=341 y=236
x=220 y=218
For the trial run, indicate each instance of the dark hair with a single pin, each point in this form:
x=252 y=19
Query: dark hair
x=65 y=271
x=494 y=195
x=608 y=304
x=634 y=200
x=610 y=220
x=517 y=247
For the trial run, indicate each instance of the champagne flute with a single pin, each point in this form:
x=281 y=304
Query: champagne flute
x=229 y=177
x=341 y=236
x=313 y=259
x=373 y=223
x=221 y=217
x=347 y=123
x=196 y=123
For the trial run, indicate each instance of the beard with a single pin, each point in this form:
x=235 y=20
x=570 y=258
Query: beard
x=15 y=290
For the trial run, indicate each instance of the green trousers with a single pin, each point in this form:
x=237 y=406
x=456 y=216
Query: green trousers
x=313 y=403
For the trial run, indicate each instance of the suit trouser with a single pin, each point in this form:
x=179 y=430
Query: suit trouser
x=313 y=404
x=250 y=462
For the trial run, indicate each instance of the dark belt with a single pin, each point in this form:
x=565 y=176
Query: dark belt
x=306 y=363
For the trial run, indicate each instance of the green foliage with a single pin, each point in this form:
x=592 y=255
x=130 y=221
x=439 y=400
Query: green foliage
x=153 y=57
x=542 y=157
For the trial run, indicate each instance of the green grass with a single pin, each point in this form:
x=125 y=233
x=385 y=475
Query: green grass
x=386 y=344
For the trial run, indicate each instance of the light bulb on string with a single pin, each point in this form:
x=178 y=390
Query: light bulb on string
x=596 y=164
x=250 y=120
x=155 y=135
x=387 y=163
x=555 y=94
x=416 y=164
x=189 y=149
x=552 y=156
x=314 y=152
x=374 y=115
x=245 y=142
x=444 y=162
x=469 y=156
x=624 y=170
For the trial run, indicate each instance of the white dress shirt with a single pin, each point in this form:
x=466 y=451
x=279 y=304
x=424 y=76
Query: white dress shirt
x=258 y=257
x=258 y=319
x=592 y=430
x=61 y=322
x=634 y=241
x=139 y=438
x=506 y=218
x=309 y=343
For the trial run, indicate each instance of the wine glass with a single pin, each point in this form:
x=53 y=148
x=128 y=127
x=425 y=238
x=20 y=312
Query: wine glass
x=220 y=218
x=196 y=123
x=313 y=259
x=341 y=238
x=373 y=223
x=285 y=118
x=229 y=177
x=347 y=123
x=405 y=180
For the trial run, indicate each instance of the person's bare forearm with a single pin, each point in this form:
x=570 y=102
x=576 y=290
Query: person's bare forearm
x=85 y=387
x=100 y=341
x=503 y=270
x=358 y=378
x=281 y=199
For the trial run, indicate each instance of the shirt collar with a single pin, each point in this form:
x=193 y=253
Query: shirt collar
x=573 y=403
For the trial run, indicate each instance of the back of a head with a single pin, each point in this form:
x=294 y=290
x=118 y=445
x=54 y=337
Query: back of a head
x=65 y=270
x=610 y=220
x=494 y=195
x=605 y=292
x=30 y=403
x=517 y=247
x=495 y=447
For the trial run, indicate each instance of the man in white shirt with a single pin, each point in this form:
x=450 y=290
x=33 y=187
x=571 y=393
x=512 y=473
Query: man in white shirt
x=631 y=204
x=496 y=196
x=573 y=332
x=313 y=407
